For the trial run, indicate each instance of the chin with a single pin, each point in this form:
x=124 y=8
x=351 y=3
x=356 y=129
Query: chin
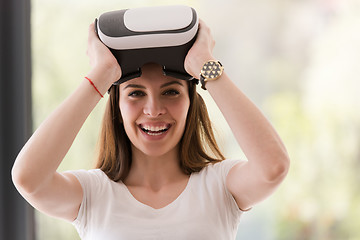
x=154 y=151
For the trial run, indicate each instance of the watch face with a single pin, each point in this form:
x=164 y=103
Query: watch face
x=211 y=70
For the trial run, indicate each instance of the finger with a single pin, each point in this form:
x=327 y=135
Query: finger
x=92 y=32
x=201 y=22
x=203 y=25
x=91 y=27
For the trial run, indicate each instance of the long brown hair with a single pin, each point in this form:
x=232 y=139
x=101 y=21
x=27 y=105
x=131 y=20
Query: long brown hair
x=198 y=146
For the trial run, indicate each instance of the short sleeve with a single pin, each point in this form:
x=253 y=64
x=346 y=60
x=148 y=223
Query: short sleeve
x=90 y=181
x=222 y=169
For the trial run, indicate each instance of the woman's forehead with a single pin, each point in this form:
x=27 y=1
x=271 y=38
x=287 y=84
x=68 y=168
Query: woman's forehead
x=152 y=75
x=156 y=83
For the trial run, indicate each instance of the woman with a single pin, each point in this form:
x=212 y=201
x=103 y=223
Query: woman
x=155 y=178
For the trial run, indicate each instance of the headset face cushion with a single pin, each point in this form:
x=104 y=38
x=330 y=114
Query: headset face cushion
x=160 y=35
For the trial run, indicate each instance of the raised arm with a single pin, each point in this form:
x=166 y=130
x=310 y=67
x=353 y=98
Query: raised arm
x=268 y=161
x=34 y=172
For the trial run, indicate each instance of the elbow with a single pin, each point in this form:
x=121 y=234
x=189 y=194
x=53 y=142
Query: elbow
x=19 y=180
x=279 y=169
x=22 y=181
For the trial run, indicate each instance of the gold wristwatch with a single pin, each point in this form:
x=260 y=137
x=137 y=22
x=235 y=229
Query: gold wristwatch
x=210 y=71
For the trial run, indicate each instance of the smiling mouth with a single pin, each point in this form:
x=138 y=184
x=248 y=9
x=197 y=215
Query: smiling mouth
x=155 y=130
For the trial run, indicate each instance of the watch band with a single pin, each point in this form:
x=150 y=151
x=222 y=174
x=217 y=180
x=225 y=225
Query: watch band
x=202 y=81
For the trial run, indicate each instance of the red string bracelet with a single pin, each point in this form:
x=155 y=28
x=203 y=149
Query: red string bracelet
x=94 y=86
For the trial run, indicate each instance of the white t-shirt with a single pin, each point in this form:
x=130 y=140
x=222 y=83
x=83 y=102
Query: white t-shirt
x=204 y=210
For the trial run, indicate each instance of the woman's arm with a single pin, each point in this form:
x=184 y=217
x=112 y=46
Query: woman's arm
x=34 y=171
x=268 y=161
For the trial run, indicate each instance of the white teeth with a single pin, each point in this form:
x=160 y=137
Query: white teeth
x=154 y=134
x=154 y=129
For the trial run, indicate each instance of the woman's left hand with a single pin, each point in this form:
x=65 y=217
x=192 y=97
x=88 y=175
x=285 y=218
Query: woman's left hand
x=201 y=51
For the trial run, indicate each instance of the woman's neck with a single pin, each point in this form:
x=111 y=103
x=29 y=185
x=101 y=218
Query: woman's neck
x=154 y=171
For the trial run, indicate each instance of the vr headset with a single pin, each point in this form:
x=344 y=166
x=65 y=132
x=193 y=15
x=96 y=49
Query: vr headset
x=160 y=35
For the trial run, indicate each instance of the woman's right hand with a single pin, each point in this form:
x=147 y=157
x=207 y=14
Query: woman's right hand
x=34 y=172
x=104 y=65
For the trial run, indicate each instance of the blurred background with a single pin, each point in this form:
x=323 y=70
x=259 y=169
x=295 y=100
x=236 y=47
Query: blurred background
x=299 y=61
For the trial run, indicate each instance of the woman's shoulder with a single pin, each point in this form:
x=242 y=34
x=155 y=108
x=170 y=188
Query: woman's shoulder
x=223 y=167
x=216 y=171
x=90 y=177
x=90 y=172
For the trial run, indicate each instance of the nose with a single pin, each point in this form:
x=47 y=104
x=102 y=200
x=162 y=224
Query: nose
x=154 y=107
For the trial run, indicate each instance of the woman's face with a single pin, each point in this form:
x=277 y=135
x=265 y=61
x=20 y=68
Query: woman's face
x=154 y=108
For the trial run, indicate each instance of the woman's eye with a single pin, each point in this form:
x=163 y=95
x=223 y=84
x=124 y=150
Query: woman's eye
x=171 y=92
x=136 y=94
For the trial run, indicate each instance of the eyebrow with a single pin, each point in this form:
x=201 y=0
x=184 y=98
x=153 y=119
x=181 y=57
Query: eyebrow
x=134 y=86
x=171 y=83
x=162 y=86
